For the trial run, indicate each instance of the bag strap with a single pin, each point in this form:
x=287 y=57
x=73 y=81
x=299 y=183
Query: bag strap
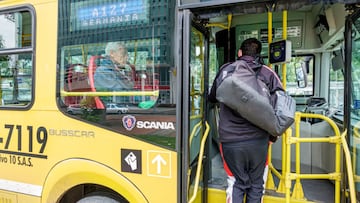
x=256 y=72
x=225 y=71
x=243 y=63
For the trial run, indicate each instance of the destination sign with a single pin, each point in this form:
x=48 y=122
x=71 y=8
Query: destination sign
x=102 y=14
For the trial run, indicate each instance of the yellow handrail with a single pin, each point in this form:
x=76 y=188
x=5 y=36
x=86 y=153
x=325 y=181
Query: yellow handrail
x=222 y=25
x=199 y=166
x=336 y=175
x=349 y=167
x=192 y=135
x=119 y=93
x=286 y=177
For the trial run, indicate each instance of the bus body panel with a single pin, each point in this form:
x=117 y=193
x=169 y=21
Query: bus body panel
x=73 y=142
x=72 y=172
x=73 y=152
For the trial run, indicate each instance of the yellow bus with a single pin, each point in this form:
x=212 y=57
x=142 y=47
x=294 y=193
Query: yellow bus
x=63 y=139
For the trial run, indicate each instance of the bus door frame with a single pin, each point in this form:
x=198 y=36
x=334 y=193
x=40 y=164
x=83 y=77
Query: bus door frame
x=348 y=35
x=187 y=22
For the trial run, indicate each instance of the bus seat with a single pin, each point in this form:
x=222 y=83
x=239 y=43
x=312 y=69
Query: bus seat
x=92 y=68
x=77 y=78
x=76 y=81
x=67 y=87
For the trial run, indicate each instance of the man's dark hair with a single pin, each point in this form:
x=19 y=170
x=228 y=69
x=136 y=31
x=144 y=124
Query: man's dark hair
x=251 y=47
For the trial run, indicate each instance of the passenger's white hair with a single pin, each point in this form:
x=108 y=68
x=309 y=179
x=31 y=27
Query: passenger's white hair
x=115 y=46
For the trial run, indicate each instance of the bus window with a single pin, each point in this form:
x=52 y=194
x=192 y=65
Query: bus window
x=355 y=75
x=197 y=73
x=336 y=84
x=299 y=75
x=118 y=79
x=16 y=60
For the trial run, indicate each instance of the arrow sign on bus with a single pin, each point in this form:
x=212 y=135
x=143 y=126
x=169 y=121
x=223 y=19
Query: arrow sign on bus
x=159 y=161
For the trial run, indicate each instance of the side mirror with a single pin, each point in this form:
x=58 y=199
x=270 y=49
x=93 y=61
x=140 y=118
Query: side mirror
x=301 y=75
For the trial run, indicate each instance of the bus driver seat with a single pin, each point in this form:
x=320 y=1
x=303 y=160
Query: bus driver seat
x=91 y=71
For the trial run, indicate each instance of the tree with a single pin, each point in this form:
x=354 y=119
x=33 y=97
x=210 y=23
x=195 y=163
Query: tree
x=2 y=58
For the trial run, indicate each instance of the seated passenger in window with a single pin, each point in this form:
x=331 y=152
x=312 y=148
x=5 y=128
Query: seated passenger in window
x=114 y=74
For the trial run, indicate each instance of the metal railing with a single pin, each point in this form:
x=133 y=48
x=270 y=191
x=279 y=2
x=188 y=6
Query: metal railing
x=199 y=165
x=286 y=177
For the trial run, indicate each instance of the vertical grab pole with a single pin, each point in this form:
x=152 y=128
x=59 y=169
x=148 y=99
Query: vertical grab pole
x=298 y=192
x=270 y=27
x=284 y=35
x=270 y=184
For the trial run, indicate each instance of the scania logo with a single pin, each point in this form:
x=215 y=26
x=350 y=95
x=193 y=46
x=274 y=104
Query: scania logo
x=129 y=122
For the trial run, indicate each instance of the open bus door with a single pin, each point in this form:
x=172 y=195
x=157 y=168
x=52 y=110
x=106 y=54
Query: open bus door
x=194 y=83
x=351 y=114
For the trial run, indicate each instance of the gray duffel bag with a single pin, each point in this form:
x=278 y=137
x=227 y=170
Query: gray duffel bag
x=249 y=96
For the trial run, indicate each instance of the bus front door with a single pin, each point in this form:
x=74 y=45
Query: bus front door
x=194 y=65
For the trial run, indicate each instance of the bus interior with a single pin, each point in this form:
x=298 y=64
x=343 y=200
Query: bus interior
x=313 y=76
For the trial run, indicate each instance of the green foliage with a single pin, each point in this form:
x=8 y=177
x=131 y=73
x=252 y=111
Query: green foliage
x=94 y=115
x=2 y=58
